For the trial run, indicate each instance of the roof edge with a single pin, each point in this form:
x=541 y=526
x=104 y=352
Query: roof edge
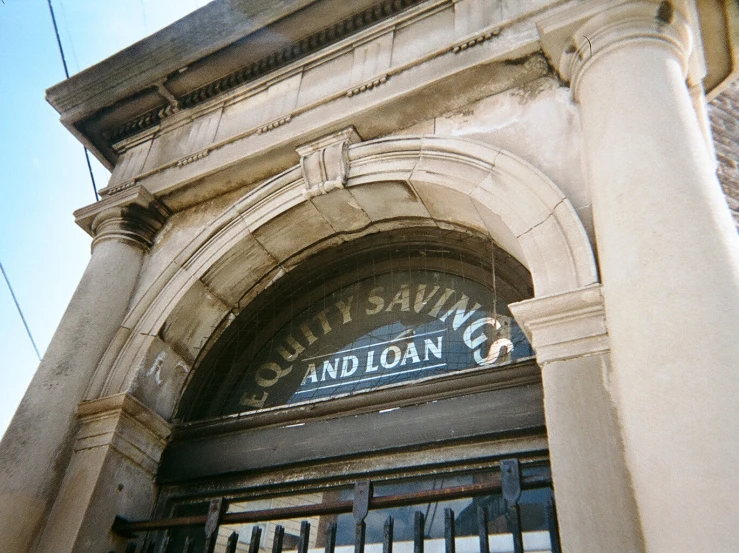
x=198 y=34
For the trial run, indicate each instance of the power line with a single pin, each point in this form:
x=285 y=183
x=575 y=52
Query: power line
x=69 y=35
x=66 y=73
x=143 y=13
x=20 y=312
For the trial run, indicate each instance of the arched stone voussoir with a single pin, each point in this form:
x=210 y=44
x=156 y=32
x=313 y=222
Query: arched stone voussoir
x=429 y=180
x=530 y=181
x=535 y=214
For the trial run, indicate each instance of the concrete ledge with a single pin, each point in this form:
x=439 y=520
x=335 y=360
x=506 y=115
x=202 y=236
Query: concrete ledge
x=125 y=424
x=566 y=325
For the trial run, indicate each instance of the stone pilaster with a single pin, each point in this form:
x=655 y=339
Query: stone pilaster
x=37 y=446
x=115 y=459
x=595 y=502
x=669 y=259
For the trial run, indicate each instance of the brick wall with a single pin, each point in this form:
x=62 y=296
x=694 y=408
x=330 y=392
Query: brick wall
x=723 y=112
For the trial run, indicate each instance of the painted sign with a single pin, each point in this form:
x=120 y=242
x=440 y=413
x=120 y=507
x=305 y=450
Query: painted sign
x=383 y=330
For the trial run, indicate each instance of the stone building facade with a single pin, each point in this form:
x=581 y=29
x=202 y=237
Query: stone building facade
x=441 y=185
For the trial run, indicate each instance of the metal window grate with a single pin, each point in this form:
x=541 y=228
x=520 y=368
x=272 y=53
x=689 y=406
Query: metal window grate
x=155 y=535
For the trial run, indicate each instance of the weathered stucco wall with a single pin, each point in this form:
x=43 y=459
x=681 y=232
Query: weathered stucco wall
x=536 y=121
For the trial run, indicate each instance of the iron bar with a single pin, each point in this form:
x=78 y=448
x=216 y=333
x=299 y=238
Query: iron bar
x=330 y=538
x=213 y=519
x=165 y=542
x=277 y=540
x=304 y=537
x=449 y=545
x=123 y=526
x=233 y=541
x=511 y=483
x=482 y=529
x=360 y=531
x=513 y=518
x=387 y=540
x=418 y=527
x=511 y=480
x=256 y=537
x=362 y=498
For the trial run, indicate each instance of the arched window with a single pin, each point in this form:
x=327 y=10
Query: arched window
x=391 y=358
x=381 y=311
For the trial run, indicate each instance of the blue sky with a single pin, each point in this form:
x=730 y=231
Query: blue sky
x=43 y=175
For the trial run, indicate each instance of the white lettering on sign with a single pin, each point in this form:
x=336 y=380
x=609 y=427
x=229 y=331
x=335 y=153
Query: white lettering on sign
x=410 y=353
x=401 y=354
x=370 y=367
x=270 y=373
x=497 y=349
x=345 y=308
x=429 y=347
x=483 y=336
x=394 y=360
x=329 y=369
x=348 y=360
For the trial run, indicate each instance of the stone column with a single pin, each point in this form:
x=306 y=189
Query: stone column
x=116 y=456
x=669 y=258
x=595 y=502
x=36 y=448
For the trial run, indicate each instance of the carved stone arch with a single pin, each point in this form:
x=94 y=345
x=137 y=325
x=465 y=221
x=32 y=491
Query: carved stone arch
x=489 y=188
x=411 y=181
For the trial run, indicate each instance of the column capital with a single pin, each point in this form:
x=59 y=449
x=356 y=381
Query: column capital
x=125 y=424
x=578 y=37
x=566 y=325
x=134 y=216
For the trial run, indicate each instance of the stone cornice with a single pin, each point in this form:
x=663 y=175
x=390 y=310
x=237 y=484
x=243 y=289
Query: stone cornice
x=132 y=215
x=166 y=84
x=170 y=177
x=577 y=38
x=279 y=58
x=200 y=33
x=566 y=325
x=125 y=424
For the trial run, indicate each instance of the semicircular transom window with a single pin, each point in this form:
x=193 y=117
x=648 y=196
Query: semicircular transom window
x=382 y=330
x=385 y=324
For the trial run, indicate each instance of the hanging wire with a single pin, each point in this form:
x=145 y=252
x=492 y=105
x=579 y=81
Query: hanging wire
x=66 y=73
x=495 y=286
x=69 y=36
x=143 y=13
x=20 y=311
